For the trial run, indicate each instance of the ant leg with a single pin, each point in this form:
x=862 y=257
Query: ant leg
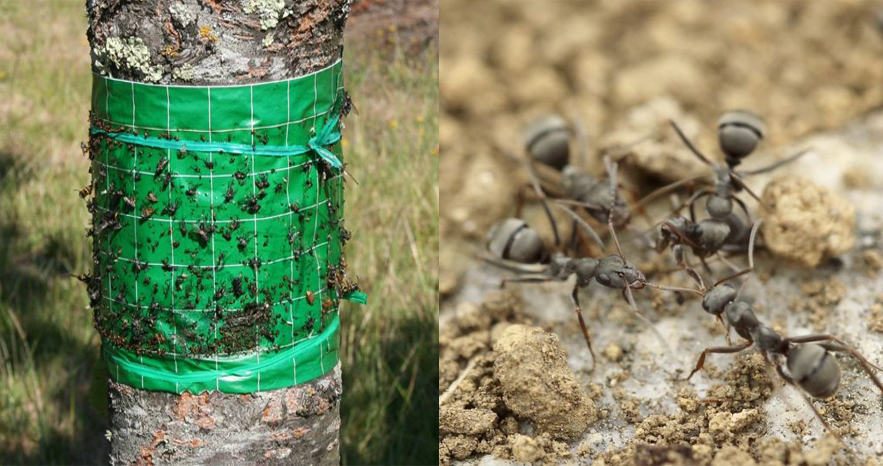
x=718 y=350
x=843 y=347
x=582 y=324
x=692 y=201
x=741 y=184
x=681 y=260
x=630 y=298
x=527 y=279
x=574 y=237
x=864 y=363
x=707 y=268
x=743 y=207
x=750 y=254
x=788 y=380
x=535 y=183
x=775 y=165
x=665 y=189
x=578 y=220
x=582 y=144
x=611 y=173
x=513 y=266
x=723 y=323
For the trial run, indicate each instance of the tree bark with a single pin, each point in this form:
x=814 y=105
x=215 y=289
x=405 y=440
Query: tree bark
x=220 y=42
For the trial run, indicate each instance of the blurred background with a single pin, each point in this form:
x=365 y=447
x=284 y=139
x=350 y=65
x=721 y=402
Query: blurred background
x=624 y=67
x=53 y=400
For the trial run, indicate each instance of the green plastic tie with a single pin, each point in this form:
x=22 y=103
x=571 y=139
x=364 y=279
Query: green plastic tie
x=327 y=136
x=357 y=297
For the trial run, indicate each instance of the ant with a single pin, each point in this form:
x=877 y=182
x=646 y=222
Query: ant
x=808 y=362
x=516 y=247
x=739 y=133
x=547 y=143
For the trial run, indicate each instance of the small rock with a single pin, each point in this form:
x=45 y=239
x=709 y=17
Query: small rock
x=613 y=352
x=806 y=223
x=466 y=421
x=525 y=448
x=730 y=455
x=537 y=383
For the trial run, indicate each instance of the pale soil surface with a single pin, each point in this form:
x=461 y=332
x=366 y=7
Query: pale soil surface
x=809 y=68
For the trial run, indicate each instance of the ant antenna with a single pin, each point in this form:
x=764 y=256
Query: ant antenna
x=751 y=239
x=582 y=141
x=690 y=145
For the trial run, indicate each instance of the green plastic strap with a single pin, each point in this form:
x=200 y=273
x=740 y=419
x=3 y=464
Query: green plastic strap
x=217 y=237
x=356 y=297
x=326 y=137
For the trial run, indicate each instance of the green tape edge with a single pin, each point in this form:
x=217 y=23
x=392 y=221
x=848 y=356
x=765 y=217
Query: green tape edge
x=317 y=357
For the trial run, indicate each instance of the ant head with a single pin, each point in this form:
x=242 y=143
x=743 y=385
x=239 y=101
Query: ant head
x=514 y=240
x=613 y=272
x=739 y=132
x=814 y=369
x=718 y=298
x=547 y=141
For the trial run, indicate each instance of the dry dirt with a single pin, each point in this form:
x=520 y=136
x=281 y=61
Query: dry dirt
x=812 y=70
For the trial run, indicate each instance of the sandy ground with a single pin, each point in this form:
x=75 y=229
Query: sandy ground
x=810 y=69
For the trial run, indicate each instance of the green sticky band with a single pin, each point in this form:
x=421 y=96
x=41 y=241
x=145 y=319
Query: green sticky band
x=218 y=232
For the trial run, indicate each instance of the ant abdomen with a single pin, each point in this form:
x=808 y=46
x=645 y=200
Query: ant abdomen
x=739 y=132
x=547 y=141
x=512 y=239
x=814 y=369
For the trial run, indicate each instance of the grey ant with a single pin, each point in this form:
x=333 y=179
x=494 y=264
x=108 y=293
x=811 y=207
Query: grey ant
x=518 y=248
x=739 y=133
x=808 y=362
x=547 y=142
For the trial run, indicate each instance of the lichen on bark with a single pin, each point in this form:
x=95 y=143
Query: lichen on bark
x=223 y=42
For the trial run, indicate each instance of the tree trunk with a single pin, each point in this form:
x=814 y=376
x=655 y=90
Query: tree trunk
x=220 y=42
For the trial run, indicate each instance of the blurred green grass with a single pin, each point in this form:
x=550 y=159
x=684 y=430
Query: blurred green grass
x=52 y=386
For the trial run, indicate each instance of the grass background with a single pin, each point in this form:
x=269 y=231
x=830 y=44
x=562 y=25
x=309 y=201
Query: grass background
x=53 y=401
